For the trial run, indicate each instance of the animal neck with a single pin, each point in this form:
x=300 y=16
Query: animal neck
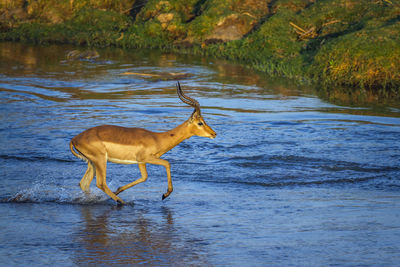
x=174 y=137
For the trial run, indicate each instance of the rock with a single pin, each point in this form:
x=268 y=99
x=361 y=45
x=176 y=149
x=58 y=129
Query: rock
x=230 y=28
x=243 y=16
x=85 y=55
x=11 y=16
x=54 y=17
x=165 y=19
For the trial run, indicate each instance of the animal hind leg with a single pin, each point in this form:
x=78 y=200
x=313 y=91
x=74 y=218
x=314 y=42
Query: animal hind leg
x=101 y=171
x=87 y=178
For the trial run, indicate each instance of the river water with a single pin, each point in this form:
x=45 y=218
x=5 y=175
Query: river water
x=290 y=180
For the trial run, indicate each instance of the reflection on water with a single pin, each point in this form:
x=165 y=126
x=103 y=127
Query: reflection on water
x=30 y=61
x=290 y=180
x=111 y=239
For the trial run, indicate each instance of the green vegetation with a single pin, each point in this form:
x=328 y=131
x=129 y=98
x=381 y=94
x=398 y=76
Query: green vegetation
x=91 y=27
x=347 y=44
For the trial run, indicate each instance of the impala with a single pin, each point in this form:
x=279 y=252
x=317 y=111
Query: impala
x=101 y=144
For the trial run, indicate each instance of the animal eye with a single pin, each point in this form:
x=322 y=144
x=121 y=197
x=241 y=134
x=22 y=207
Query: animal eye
x=200 y=124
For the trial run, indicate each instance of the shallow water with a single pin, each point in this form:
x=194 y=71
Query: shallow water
x=289 y=180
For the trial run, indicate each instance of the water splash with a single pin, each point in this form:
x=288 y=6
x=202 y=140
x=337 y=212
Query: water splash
x=45 y=193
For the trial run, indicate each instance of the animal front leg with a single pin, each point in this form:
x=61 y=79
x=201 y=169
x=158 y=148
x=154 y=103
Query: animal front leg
x=143 y=172
x=167 y=166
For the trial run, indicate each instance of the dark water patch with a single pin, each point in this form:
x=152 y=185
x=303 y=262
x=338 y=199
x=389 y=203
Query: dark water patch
x=41 y=96
x=28 y=198
x=267 y=161
x=299 y=182
x=35 y=159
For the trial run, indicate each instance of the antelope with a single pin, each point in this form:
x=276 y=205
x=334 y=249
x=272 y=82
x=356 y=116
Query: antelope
x=109 y=143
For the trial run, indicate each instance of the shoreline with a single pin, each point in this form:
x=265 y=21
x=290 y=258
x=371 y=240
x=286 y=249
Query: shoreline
x=348 y=45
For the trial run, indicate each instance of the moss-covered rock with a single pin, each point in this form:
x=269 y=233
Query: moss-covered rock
x=15 y=12
x=222 y=21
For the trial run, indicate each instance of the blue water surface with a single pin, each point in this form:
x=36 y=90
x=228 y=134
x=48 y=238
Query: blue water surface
x=290 y=180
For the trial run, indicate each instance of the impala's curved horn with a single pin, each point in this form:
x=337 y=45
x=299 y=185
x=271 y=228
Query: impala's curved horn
x=187 y=100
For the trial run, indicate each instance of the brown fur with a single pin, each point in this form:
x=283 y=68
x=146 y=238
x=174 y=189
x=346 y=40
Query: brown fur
x=104 y=143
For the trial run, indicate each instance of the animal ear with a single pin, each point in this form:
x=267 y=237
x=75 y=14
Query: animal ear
x=195 y=114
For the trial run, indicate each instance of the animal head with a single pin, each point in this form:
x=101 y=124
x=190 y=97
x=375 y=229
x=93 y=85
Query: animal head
x=196 y=121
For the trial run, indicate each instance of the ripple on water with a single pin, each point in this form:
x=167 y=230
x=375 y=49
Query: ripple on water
x=289 y=180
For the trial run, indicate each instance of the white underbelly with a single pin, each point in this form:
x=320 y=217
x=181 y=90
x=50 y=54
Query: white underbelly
x=122 y=161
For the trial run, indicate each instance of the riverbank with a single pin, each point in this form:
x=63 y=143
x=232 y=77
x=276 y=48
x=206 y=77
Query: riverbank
x=347 y=44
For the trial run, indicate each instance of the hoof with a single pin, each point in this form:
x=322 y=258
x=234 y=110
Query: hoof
x=163 y=197
x=120 y=202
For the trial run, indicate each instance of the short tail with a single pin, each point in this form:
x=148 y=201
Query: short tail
x=89 y=174
x=77 y=153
